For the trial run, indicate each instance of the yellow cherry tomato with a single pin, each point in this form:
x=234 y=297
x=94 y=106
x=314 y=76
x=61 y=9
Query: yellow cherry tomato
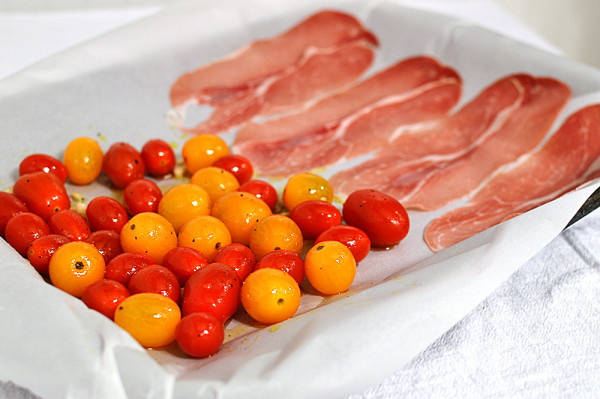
x=305 y=187
x=75 y=266
x=184 y=202
x=270 y=295
x=202 y=150
x=150 y=318
x=83 y=160
x=216 y=181
x=330 y=267
x=240 y=212
x=149 y=233
x=274 y=233
x=207 y=234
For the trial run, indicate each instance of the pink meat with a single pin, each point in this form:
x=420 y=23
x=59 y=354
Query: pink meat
x=562 y=164
x=332 y=117
x=248 y=67
x=318 y=73
x=435 y=180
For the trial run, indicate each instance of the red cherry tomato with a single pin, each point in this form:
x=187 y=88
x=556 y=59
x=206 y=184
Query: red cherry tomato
x=123 y=164
x=284 y=260
x=41 y=250
x=262 y=190
x=158 y=157
x=104 y=296
x=43 y=193
x=105 y=213
x=237 y=165
x=141 y=195
x=354 y=238
x=156 y=279
x=184 y=261
x=214 y=289
x=125 y=265
x=314 y=217
x=10 y=205
x=43 y=163
x=199 y=335
x=23 y=228
x=239 y=257
x=70 y=224
x=107 y=242
x=380 y=216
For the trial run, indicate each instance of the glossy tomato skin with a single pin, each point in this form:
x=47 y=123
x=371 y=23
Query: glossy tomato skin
x=123 y=266
x=107 y=242
x=239 y=257
x=43 y=193
x=237 y=165
x=214 y=289
x=10 y=205
x=314 y=217
x=159 y=157
x=70 y=224
x=284 y=260
x=199 y=335
x=184 y=261
x=123 y=164
x=104 y=296
x=354 y=238
x=41 y=250
x=261 y=189
x=157 y=279
x=141 y=195
x=23 y=229
x=105 y=213
x=380 y=216
x=43 y=163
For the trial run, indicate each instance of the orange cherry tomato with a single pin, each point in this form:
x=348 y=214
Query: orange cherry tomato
x=83 y=160
x=273 y=233
x=330 y=267
x=206 y=234
x=270 y=296
x=305 y=187
x=184 y=202
x=216 y=181
x=76 y=265
x=203 y=150
x=149 y=233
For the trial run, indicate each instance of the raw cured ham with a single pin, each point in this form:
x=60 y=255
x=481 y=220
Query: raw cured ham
x=351 y=122
x=456 y=168
x=234 y=77
x=568 y=159
x=318 y=73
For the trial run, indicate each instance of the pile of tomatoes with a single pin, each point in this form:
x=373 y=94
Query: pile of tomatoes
x=174 y=264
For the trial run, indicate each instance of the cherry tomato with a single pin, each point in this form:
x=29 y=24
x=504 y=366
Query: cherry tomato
x=206 y=234
x=314 y=217
x=75 y=266
x=380 y=216
x=216 y=181
x=43 y=163
x=239 y=257
x=157 y=279
x=123 y=266
x=70 y=224
x=123 y=164
x=184 y=261
x=23 y=228
x=105 y=213
x=107 y=242
x=141 y=195
x=41 y=250
x=330 y=267
x=305 y=187
x=213 y=289
x=237 y=165
x=105 y=296
x=43 y=193
x=354 y=238
x=273 y=233
x=149 y=233
x=83 y=160
x=199 y=335
x=203 y=150
x=261 y=189
x=287 y=261
x=184 y=202
x=10 y=205
x=158 y=157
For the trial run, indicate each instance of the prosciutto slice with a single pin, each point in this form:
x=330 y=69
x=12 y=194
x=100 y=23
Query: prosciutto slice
x=564 y=162
x=478 y=140
x=351 y=122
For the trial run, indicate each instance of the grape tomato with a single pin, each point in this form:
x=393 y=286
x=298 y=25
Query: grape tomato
x=22 y=229
x=159 y=157
x=41 y=250
x=184 y=261
x=239 y=257
x=70 y=224
x=141 y=195
x=123 y=164
x=199 y=334
x=354 y=238
x=262 y=190
x=314 y=217
x=157 y=279
x=10 y=205
x=105 y=213
x=43 y=193
x=238 y=165
x=43 y=163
